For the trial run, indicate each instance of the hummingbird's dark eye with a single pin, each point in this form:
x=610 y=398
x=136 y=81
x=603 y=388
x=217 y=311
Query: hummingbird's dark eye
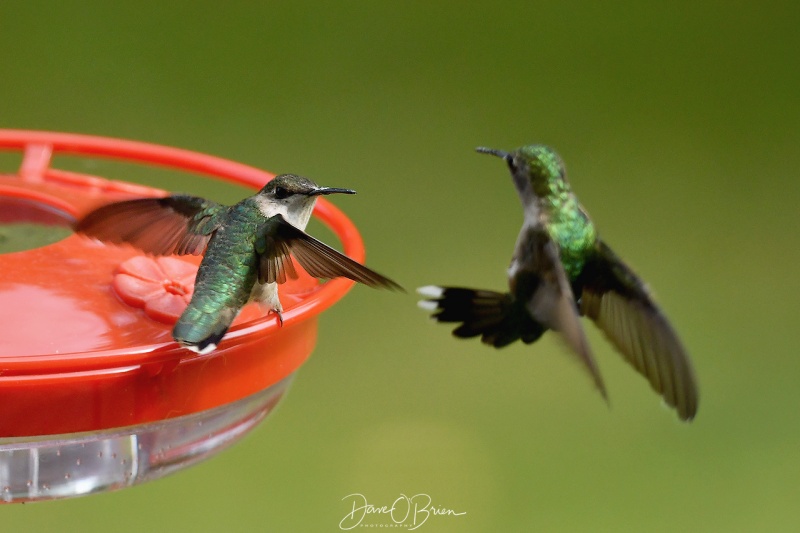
x=281 y=193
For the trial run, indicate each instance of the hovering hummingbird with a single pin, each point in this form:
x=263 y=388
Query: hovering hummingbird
x=558 y=257
x=246 y=247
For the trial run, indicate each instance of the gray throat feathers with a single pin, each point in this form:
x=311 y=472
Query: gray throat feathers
x=296 y=217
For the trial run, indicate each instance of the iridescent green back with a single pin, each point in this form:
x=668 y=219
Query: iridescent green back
x=566 y=221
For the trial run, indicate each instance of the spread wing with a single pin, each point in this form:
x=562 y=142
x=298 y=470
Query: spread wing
x=616 y=299
x=551 y=302
x=278 y=239
x=178 y=224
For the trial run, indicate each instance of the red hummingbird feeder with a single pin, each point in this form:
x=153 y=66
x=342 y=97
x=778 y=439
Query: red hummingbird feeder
x=96 y=394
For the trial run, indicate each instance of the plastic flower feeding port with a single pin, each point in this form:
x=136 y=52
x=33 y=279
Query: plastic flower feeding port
x=96 y=394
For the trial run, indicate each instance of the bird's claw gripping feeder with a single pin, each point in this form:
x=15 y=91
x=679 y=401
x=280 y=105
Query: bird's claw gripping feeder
x=96 y=394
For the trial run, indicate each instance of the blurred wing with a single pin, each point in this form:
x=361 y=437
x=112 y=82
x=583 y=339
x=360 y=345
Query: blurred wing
x=178 y=224
x=279 y=239
x=552 y=302
x=616 y=299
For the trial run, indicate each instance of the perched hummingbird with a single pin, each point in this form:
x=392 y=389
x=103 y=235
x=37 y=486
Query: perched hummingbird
x=246 y=247
x=558 y=257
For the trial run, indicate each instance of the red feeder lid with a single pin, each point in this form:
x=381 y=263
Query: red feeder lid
x=85 y=326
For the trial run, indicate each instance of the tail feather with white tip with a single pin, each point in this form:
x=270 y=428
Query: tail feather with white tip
x=491 y=315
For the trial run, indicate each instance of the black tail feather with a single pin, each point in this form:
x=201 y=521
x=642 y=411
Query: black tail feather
x=197 y=334
x=493 y=316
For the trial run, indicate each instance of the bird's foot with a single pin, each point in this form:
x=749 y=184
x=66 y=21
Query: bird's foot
x=279 y=315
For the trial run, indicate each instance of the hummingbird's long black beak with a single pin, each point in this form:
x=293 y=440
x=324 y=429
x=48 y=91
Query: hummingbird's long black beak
x=330 y=190
x=499 y=153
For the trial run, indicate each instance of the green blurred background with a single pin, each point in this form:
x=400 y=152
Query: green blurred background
x=679 y=123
